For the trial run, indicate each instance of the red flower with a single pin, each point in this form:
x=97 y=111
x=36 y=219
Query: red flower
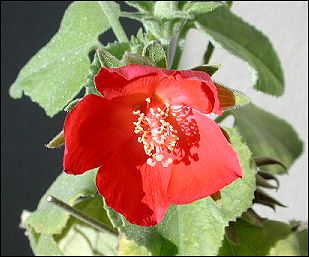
x=152 y=140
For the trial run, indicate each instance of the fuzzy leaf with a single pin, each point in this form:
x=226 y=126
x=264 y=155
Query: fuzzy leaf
x=55 y=75
x=130 y=248
x=142 y=6
x=80 y=239
x=302 y=237
x=165 y=9
x=49 y=219
x=197 y=228
x=200 y=7
x=246 y=42
x=268 y=135
x=274 y=239
x=46 y=246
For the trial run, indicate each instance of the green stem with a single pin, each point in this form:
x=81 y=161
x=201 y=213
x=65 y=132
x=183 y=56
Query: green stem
x=114 y=22
x=209 y=51
x=79 y=215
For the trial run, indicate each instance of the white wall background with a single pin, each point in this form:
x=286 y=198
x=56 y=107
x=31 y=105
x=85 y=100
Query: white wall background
x=286 y=25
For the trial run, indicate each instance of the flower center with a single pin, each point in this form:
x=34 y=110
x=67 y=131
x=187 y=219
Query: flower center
x=156 y=134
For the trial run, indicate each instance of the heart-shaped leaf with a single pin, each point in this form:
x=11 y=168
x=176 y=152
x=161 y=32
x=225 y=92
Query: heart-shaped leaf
x=56 y=74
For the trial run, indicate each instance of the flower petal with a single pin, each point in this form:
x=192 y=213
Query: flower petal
x=131 y=79
x=93 y=130
x=132 y=187
x=176 y=90
x=192 y=88
x=205 y=162
x=208 y=86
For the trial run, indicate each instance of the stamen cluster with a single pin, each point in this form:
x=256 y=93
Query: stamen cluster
x=156 y=134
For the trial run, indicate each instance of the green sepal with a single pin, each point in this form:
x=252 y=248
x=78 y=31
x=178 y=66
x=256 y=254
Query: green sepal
x=155 y=52
x=132 y=58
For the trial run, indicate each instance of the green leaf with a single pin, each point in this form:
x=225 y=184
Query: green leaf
x=165 y=9
x=302 y=237
x=142 y=6
x=197 y=228
x=130 y=248
x=197 y=8
x=135 y=45
x=42 y=245
x=274 y=239
x=46 y=246
x=246 y=42
x=80 y=239
x=111 y=11
x=57 y=72
x=268 y=135
x=49 y=219
x=89 y=83
x=231 y=233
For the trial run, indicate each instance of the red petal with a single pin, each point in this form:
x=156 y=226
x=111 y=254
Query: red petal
x=205 y=161
x=176 y=90
x=132 y=187
x=192 y=88
x=126 y=80
x=208 y=86
x=93 y=130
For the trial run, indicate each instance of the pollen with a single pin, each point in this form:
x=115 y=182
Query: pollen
x=157 y=135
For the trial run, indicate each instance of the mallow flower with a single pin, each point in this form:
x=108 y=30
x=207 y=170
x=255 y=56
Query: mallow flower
x=152 y=140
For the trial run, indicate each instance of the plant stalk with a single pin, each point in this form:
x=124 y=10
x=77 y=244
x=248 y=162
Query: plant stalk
x=79 y=215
